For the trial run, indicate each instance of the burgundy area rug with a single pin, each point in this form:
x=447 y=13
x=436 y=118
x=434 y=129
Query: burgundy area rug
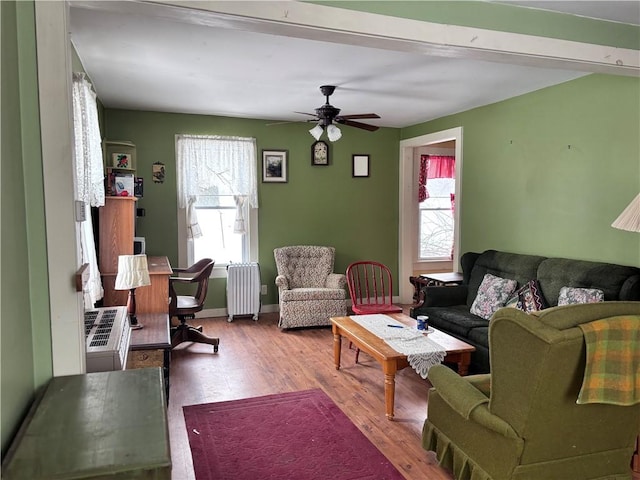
x=298 y=435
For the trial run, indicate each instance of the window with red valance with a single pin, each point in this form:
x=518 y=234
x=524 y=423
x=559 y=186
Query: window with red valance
x=436 y=200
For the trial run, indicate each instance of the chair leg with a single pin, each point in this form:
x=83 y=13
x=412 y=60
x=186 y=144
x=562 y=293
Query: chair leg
x=357 y=351
x=186 y=333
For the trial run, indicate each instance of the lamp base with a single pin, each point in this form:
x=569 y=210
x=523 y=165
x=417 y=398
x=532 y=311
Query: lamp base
x=133 y=322
x=131 y=310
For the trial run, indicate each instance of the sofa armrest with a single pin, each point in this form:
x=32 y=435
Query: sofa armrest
x=457 y=392
x=466 y=400
x=336 y=280
x=282 y=283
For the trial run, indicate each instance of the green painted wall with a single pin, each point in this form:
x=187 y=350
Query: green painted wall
x=548 y=172
x=524 y=190
x=505 y=18
x=24 y=319
x=318 y=205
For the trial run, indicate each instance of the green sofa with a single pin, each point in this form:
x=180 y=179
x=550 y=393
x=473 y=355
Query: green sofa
x=448 y=308
x=522 y=421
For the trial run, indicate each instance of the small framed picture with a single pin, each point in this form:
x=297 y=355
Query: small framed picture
x=360 y=165
x=274 y=166
x=138 y=187
x=158 y=172
x=121 y=160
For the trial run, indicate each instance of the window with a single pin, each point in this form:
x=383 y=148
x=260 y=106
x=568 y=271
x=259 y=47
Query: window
x=436 y=220
x=436 y=193
x=217 y=199
x=216 y=217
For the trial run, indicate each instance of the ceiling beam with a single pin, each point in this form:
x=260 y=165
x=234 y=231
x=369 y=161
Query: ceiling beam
x=337 y=25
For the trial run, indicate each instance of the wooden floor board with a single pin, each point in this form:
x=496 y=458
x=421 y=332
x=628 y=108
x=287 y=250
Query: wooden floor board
x=257 y=358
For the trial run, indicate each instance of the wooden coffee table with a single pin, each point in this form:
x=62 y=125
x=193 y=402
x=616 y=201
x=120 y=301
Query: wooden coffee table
x=456 y=350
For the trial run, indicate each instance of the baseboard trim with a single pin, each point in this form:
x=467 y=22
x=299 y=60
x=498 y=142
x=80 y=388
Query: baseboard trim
x=223 y=312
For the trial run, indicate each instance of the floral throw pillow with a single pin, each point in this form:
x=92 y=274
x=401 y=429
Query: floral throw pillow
x=572 y=295
x=528 y=298
x=492 y=295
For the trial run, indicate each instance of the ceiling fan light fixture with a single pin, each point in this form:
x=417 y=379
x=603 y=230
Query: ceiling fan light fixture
x=333 y=133
x=316 y=131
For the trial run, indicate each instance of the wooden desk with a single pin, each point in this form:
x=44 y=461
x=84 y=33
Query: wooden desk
x=150 y=346
x=153 y=298
x=98 y=425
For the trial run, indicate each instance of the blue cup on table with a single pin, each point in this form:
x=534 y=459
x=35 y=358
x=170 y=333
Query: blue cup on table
x=423 y=322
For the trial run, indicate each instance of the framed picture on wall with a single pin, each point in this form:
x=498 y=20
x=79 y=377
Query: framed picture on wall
x=360 y=165
x=274 y=166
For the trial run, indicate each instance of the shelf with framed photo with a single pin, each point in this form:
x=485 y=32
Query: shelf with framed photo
x=120 y=169
x=119 y=154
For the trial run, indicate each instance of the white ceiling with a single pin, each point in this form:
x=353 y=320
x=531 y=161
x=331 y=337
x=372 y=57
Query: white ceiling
x=146 y=62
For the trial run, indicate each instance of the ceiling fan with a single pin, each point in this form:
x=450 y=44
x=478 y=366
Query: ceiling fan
x=327 y=114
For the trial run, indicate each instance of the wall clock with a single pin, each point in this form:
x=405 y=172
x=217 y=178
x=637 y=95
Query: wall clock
x=320 y=153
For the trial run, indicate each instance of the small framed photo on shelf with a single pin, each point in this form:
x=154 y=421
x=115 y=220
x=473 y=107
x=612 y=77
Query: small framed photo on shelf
x=121 y=160
x=274 y=166
x=360 y=165
x=138 y=187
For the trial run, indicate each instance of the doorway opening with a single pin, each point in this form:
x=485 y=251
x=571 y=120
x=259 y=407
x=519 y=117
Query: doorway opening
x=444 y=143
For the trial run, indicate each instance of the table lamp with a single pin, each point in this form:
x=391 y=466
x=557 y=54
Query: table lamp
x=133 y=272
x=629 y=219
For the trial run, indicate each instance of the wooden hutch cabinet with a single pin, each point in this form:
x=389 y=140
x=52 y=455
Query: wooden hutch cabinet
x=116 y=227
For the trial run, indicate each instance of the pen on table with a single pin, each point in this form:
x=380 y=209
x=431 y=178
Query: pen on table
x=395 y=326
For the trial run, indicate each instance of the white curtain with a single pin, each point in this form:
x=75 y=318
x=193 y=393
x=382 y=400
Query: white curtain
x=224 y=164
x=89 y=177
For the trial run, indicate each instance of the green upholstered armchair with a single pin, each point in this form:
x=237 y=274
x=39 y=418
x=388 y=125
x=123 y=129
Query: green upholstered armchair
x=522 y=421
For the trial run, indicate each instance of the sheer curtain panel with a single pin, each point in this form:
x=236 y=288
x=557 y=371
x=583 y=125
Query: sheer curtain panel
x=89 y=175
x=215 y=165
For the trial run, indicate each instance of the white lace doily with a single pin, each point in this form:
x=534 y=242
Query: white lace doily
x=422 y=353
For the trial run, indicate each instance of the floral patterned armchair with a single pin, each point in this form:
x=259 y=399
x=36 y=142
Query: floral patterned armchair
x=310 y=293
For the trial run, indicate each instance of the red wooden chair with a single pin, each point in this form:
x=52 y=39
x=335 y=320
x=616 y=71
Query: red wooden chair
x=371 y=290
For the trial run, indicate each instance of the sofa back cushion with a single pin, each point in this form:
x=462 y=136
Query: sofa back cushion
x=617 y=282
x=515 y=266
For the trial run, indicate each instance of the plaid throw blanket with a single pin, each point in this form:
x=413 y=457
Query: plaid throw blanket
x=612 y=372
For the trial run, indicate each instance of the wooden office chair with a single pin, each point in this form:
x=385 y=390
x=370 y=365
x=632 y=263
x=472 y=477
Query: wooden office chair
x=185 y=306
x=371 y=290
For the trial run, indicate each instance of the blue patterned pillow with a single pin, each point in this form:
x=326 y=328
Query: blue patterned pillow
x=572 y=295
x=528 y=298
x=492 y=295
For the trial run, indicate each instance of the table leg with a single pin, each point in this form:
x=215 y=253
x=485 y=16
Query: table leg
x=337 y=345
x=389 y=388
x=463 y=364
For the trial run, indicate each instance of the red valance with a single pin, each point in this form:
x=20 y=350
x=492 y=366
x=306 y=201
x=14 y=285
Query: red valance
x=434 y=166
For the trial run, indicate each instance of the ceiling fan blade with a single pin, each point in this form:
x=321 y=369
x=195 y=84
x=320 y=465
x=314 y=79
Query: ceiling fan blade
x=279 y=123
x=360 y=115
x=305 y=113
x=351 y=123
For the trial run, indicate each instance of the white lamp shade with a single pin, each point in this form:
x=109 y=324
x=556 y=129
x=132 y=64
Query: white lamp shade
x=333 y=133
x=133 y=272
x=316 y=132
x=629 y=219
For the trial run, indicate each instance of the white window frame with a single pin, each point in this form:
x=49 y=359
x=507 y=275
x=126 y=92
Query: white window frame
x=185 y=245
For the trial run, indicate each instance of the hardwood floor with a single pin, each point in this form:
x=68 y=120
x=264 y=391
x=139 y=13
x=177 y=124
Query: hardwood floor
x=257 y=358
